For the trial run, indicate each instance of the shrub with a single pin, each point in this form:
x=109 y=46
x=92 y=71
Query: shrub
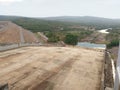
x=52 y=37
x=71 y=39
x=113 y=43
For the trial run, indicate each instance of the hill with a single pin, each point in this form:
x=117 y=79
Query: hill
x=38 y=24
x=60 y=26
x=88 y=20
x=59 y=29
x=62 y=23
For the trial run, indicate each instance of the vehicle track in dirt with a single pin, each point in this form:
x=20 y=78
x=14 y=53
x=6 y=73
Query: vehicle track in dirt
x=51 y=68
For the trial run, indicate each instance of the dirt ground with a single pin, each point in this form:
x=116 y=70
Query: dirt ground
x=51 y=68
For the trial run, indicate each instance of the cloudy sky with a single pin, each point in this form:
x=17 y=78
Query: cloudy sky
x=47 y=8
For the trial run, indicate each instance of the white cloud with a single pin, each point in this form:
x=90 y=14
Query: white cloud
x=47 y=8
x=9 y=1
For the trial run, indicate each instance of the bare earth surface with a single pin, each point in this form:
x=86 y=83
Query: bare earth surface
x=96 y=37
x=10 y=33
x=51 y=68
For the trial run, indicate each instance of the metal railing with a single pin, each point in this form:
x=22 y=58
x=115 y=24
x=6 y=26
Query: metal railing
x=117 y=74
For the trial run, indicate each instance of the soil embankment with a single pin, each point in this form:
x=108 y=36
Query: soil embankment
x=11 y=33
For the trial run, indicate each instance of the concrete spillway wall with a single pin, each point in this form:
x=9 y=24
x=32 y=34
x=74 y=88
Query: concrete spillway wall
x=13 y=46
x=109 y=72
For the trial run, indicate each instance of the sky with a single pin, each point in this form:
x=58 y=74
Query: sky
x=49 y=8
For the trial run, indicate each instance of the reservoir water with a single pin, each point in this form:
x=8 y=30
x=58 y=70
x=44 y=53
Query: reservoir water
x=91 y=45
x=105 y=31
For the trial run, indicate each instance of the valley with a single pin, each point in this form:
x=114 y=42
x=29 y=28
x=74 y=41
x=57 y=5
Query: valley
x=37 y=54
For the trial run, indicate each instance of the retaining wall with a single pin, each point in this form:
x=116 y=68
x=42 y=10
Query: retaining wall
x=13 y=46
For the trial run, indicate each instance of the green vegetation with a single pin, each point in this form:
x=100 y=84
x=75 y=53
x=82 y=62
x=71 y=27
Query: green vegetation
x=52 y=37
x=71 y=39
x=113 y=43
x=61 y=35
x=113 y=35
x=56 y=30
x=40 y=25
x=52 y=23
x=113 y=38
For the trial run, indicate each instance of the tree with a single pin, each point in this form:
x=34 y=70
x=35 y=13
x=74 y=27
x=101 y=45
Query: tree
x=113 y=43
x=71 y=39
x=52 y=37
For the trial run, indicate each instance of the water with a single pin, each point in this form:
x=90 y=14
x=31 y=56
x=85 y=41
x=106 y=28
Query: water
x=91 y=45
x=105 y=30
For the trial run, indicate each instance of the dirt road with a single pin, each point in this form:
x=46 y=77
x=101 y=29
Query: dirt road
x=51 y=68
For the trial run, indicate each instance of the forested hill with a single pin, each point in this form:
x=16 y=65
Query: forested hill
x=36 y=25
x=40 y=24
x=88 y=20
x=8 y=18
x=58 y=23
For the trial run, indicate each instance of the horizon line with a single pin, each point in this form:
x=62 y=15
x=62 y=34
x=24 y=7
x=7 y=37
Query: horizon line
x=57 y=16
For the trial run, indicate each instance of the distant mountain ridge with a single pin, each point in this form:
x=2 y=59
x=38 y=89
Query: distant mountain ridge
x=86 y=20
x=8 y=18
x=65 y=18
x=77 y=18
x=97 y=22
